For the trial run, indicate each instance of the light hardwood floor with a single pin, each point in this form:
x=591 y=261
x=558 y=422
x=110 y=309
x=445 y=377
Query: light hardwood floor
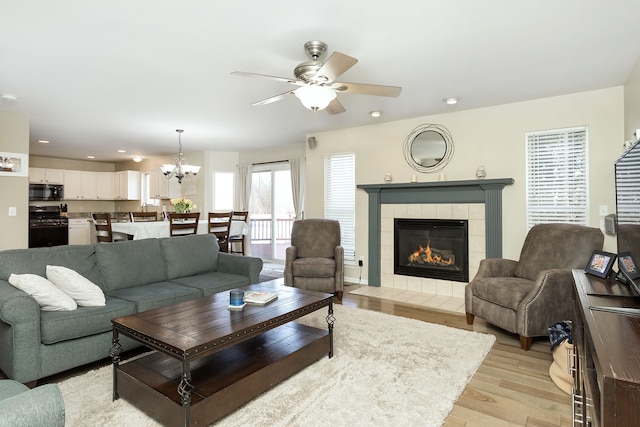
x=511 y=388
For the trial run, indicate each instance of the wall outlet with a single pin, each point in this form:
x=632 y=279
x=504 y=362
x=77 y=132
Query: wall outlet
x=361 y=261
x=604 y=210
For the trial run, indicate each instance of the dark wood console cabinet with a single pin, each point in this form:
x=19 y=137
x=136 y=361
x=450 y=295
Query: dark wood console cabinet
x=607 y=354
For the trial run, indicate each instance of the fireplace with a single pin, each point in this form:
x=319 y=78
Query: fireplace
x=434 y=248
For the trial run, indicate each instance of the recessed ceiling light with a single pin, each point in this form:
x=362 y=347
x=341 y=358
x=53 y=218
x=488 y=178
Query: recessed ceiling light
x=9 y=97
x=375 y=114
x=122 y=151
x=137 y=159
x=43 y=141
x=91 y=157
x=452 y=100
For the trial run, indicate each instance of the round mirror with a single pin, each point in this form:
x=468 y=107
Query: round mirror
x=428 y=148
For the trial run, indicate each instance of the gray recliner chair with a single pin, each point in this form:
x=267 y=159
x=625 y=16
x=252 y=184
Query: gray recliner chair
x=525 y=297
x=23 y=407
x=315 y=259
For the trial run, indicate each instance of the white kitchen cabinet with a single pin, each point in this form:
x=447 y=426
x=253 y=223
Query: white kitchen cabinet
x=80 y=231
x=89 y=185
x=162 y=188
x=126 y=185
x=80 y=185
x=104 y=185
x=46 y=176
x=72 y=185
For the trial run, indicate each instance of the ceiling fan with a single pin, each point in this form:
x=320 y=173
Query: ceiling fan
x=316 y=80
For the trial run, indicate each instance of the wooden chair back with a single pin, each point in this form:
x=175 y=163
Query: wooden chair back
x=182 y=224
x=142 y=216
x=102 y=223
x=239 y=239
x=219 y=224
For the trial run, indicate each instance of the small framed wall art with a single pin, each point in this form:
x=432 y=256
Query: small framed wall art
x=600 y=264
x=14 y=164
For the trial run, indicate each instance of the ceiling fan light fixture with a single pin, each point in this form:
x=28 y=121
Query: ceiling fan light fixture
x=315 y=97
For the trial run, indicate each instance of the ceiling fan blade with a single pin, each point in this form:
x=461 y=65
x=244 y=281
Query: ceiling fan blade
x=366 y=89
x=273 y=98
x=265 y=76
x=335 y=66
x=335 y=107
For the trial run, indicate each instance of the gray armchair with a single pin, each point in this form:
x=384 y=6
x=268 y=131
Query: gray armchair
x=525 y=297
x=315 y=259
x=24 y=407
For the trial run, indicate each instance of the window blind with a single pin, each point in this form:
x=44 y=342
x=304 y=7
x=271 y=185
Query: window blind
x=339 y=197
x=557 y=176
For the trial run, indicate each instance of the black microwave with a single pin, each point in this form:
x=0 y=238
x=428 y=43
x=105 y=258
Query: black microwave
x=46 y=192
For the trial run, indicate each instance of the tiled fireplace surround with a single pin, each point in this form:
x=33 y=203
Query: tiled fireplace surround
x=479 y=202
x=473 y=212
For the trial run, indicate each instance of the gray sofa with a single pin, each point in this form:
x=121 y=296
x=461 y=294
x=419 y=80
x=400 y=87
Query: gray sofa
x=39 y=407
x=135 y=276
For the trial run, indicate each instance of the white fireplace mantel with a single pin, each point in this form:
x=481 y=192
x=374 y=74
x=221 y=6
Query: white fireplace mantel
x=487 y=191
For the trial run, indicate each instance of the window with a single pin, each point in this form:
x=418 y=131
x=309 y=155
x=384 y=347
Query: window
x=146 y=200
x=339 y=197
x=557 y=176
x=223 y=191
x=272 y=213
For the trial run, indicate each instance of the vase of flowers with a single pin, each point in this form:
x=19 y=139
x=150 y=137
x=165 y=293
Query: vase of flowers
x=182 y=205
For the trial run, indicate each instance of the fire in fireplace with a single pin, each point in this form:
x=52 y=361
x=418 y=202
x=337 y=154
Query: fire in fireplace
x=434 y=248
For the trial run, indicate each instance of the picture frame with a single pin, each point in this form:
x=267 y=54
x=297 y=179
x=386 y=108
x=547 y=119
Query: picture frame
x=600 y=264
x=14 y=164
x=628 y=266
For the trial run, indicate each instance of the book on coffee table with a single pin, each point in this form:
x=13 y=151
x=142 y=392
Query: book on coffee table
x=259 y=298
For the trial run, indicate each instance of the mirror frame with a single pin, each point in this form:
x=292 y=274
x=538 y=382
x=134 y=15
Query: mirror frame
x=448 y=151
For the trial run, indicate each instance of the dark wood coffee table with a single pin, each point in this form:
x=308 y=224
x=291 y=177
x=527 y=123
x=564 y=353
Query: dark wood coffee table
x=209 y=360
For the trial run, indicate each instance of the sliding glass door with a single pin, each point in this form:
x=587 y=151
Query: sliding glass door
x=272 y=212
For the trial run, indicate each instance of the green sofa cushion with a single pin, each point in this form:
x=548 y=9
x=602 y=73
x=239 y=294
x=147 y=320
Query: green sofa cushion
x=156 y=295
x=80 y=258
x=58 y=326
x=190 y=255
x=42 y=406
x=130 y=263
x=214 y=282
x=10 y=388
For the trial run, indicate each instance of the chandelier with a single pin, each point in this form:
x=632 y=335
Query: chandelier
x=179 y=168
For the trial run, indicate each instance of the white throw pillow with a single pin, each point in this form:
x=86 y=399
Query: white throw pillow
x=82 y=290
x=49 y=297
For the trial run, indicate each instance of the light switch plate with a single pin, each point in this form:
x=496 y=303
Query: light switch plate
x=13 y=211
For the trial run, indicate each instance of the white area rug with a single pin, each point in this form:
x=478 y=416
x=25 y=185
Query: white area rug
x=386 y=370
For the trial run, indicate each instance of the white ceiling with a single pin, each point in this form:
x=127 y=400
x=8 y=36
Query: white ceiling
x=97 y=76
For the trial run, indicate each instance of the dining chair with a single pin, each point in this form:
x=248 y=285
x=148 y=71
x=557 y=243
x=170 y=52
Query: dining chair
x=219 y=224
x=143 y=216
x=104 y=233
x=182 y=224
x=242 y=216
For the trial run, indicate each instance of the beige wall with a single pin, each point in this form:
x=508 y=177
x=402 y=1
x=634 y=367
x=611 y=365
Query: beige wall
x=492 y=137
x=273 y=154
x=14 y=191
x=632 y=103
x=80 y=165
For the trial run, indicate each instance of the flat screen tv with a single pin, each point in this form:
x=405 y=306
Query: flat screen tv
x=627 y=177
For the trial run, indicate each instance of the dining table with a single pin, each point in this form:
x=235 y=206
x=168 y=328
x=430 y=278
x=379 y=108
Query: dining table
x=156 y=229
